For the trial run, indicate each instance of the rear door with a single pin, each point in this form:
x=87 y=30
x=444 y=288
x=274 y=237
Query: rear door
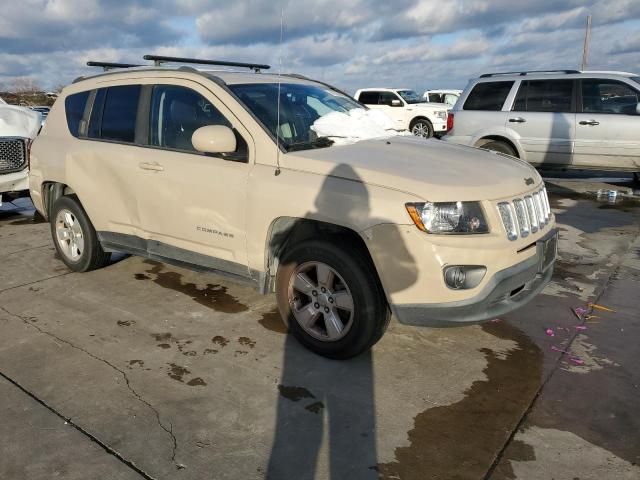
x=608 y=125
x=104 y=167
x=543 y=116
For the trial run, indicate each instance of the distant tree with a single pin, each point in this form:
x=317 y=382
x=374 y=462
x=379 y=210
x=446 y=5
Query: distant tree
x=58 y=88
x=24 y=85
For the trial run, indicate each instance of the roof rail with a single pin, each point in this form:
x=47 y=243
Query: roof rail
x=486 y=75
x=160 y=59
x=110 y=65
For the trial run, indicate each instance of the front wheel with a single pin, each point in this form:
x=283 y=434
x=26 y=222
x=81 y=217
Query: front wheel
x=331 y=299
x=421 y=127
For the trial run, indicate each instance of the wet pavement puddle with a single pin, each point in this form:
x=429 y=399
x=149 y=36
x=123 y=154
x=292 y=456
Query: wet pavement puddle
x=460 y=440
x=212 y=296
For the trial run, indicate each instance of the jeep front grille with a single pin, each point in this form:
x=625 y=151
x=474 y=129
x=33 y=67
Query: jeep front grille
x=13 y=155
x=526 y=214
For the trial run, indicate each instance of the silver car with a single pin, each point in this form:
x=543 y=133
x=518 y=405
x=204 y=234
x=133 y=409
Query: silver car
x=557 y=119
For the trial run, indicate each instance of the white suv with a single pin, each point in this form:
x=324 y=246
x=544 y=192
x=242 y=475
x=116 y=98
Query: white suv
x=407 y=109
x=18 y=127
x=558 y=119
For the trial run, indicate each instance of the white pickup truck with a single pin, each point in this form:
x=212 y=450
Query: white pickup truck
x=18 y=127
x=407 y=109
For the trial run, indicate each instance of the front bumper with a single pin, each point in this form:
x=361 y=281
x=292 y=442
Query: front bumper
x=507 y=290
x=14 y=182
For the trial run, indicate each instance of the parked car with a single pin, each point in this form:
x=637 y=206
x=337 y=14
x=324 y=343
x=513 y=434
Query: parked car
x=18 y=127
x=223 y=171
x=407 y=109
x=448 y=97
x=558 y=119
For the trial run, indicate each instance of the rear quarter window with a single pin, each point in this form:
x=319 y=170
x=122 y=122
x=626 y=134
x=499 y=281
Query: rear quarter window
x=74 y=108
x=488 y=96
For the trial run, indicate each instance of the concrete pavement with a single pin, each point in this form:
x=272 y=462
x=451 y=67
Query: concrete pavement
x=166 y=373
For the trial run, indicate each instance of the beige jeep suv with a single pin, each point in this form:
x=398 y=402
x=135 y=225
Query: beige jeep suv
x=223 y=171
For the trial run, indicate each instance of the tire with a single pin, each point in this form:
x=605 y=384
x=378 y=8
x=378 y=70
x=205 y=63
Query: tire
x=421 y=127
x=74 y=237
x=354 y=284
x=500 y=147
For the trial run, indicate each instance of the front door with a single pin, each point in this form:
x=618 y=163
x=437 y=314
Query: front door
x=543 y=117
x=608 y=126
x=192 y=206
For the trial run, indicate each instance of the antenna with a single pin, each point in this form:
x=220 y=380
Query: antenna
x=585 y=48
x=277 y=172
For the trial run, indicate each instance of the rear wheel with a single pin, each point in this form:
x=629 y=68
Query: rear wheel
x=331 y=299
x=501 y=147
x=421 y=127
x=74 y=237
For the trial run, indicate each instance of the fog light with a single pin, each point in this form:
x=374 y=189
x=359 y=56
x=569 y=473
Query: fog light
x=463 y=277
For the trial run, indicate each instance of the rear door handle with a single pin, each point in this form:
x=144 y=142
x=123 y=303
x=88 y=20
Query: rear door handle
x=589 y=122
x=156 y=167
x=517 y=120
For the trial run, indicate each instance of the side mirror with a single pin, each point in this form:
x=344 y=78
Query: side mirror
x=396 y=103
x=214 y=139
x=638 y=109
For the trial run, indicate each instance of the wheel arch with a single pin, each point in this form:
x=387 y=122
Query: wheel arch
x=51 y=191
x=287 y=231
x=499 y=138
x=420 y=117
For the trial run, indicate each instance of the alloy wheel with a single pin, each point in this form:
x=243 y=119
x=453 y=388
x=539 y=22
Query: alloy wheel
x=69 y=235
x=321 y=301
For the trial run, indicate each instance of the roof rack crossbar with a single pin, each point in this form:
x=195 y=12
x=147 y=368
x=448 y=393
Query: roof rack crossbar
x=111 y=65
x=160 y=59
x=486 y=75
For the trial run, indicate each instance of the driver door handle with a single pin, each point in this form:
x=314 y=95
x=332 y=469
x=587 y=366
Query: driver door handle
x=517 y=120
x=155 y=166
x=589 y=122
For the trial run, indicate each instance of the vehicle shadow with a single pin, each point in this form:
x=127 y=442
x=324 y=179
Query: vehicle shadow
x=326 y=411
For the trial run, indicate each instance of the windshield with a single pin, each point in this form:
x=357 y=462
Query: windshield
x=410 y=96
x=300 y=106
x=636 y=79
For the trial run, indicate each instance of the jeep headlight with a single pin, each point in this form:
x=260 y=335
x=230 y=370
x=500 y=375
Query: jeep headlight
x=442 y=115
x=448 y=217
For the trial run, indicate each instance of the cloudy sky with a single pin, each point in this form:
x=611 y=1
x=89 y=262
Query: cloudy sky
x=351 y=43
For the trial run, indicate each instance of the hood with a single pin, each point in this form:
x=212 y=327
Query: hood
x=18 y=122
x=429 y=169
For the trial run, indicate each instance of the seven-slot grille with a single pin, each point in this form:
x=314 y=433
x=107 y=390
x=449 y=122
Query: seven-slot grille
x=13 y=155
x=525 y=215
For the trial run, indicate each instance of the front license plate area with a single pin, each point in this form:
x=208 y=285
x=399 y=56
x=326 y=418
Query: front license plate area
x=547 y=252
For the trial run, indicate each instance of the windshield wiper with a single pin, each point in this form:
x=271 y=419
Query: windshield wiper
x=320 y=142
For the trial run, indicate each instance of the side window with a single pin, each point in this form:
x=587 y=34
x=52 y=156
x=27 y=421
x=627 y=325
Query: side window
x=609 y=96
x=387 y=97
x=74 y=108
x=177 y=112
x=369 y=98
x=450 y=99
x=119 y=114
x=488 y=96
x=114 y=113
x=544 y=96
